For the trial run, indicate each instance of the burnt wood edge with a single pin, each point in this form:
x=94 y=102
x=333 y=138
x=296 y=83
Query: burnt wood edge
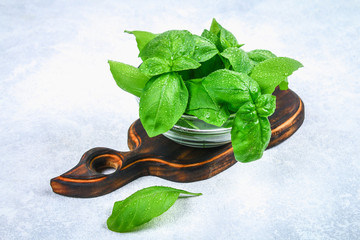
x=93 y=187
x=283 y=132
x=84 y=180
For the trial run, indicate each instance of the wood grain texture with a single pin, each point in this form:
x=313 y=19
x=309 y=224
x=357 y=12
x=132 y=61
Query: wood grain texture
x=164 y=158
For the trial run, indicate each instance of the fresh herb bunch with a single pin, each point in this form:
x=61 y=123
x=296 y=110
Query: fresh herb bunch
x=207 y=76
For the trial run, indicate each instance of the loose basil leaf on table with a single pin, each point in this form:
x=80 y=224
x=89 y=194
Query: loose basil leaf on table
x=271 y=72
x=142 y=206
x=162 y=103
x=128 y=78
x=250 y=133
x=238 y=59
x=231 y=88
x=203 y=106
x=142 y=37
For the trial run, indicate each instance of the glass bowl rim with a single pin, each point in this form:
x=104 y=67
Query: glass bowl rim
x=218 y=130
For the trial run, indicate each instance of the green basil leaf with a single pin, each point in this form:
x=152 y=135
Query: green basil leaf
x=204 y=49
x=211 y=116
x=238 y=59
x=142 y=206
x=284 y=85
x=169 y=45
x=227 y=39
x=271 y=72
x=226 y=62
x=155 y=66
x=231 y=88
x=265 y=105
x=259 y=55
x=184 y=63
x=128 y=78
x=215 y=27
x=186 y=74
x=163 y=101
x=211 y=65
x=212 y=38
x=187 y=123
x=199 y=97
x=250 y=134
x=142 y=37
x=203 y=106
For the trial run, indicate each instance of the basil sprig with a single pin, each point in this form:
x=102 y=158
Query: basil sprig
x=162 y=103
x=210 y=77
x=142 y=206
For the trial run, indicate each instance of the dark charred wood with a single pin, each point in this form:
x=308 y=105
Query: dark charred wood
x=164 y=158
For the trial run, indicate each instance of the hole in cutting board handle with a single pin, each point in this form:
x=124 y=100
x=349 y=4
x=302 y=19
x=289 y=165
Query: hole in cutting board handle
x=106 y=163
x=106 y=170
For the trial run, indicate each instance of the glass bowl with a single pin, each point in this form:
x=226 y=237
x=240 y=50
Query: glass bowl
x=193 y=132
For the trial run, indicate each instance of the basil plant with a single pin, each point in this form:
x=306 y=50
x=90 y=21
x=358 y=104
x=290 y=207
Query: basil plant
x=210 y=77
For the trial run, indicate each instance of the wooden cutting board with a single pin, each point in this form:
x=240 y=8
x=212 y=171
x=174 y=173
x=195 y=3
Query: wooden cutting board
x=164 y=158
